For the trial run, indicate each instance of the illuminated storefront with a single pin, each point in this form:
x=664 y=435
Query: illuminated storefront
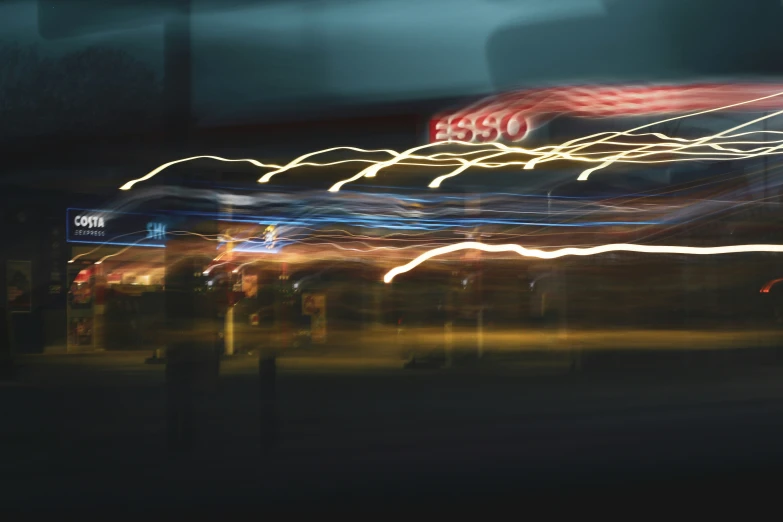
x=116 y=273
x=281 y=266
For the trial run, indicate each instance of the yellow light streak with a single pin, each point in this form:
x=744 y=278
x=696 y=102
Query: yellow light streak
x=104 y=258
x=632 y=153
x=109 y=243
x=572 y=251
x=152 y=173
x=532 y=164
x=436 y=182
x=299 y=161
x=572 y=150
x=584 y=175
x=372 y=170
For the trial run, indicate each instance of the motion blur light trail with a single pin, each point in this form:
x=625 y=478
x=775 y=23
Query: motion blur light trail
x=632 y=153
x=718 y=147
x=153 y=173
x=511 y=116
x=585 y=174
x=591 y=251
x=400 y=157
x=769 y=284
x=111 y=243
x=315 y=223
x=703 y=141
x=298 y=162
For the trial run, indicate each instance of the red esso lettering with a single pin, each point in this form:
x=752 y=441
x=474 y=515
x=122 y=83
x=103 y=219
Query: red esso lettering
x=513 y=126
x=462 y=129
x=486 y=129
x=480 y=128
x=439 y=130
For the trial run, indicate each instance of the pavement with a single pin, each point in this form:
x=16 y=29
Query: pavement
x=87 y=435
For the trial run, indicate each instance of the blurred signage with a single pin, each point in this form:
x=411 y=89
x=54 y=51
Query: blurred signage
x=314 y=305
x=156 y=230
x=131 y=290
x=257 y=241
x=80 y=331
x=116 y=228
x=510 y=117
x=250 y=285
x=19 y=275
x=311 y=302
x=509 y=125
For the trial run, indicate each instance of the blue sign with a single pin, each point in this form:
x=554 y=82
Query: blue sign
x=107 y=227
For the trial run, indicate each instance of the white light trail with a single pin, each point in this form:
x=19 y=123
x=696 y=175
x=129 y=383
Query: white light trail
x=573 y=251
x=152 y=173
x=557 y=150
x=573 y=150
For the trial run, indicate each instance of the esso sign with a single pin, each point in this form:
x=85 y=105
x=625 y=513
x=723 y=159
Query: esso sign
x=510 y=117
x=480 y=128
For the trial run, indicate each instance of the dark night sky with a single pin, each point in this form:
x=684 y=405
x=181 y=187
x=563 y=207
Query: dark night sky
x=252 y=60
x=291 y=56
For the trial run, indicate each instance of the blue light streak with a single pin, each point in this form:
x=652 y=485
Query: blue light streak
x=396 y=223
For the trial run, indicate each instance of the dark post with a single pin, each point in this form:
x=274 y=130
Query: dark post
x=191 y=367
x=267 y=363
x=267 y=372
x=6 y=345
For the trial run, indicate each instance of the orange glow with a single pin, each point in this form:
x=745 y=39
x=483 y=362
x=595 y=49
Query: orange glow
x=768 y=286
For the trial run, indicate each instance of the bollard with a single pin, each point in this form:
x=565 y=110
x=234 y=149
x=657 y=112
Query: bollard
x=7 y=353
x=228 y=338
x=449 y=343
x=480 y=334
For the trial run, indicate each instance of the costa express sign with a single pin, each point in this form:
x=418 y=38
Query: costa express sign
x=115 y=228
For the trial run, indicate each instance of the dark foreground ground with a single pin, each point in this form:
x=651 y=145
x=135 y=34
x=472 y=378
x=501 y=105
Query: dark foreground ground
x=87 y=433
